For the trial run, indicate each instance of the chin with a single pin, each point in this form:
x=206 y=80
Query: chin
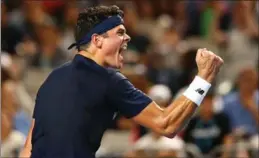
x=119 y=67
x=116 y=66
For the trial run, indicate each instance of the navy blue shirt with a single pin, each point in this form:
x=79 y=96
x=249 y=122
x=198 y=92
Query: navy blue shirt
x=76 y=104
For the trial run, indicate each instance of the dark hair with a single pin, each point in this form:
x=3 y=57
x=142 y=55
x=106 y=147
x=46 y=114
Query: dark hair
x=92 y=16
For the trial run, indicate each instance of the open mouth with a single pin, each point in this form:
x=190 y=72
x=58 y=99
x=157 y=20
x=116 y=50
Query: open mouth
x=123 y=48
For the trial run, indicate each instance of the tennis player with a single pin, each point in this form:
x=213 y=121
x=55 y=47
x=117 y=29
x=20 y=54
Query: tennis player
x=78 y=100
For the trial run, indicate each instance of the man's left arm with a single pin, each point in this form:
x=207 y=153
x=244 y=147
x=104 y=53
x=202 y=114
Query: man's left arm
x=26 y=151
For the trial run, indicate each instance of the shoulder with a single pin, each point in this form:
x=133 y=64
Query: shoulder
x=62 y=67
x=58 y=71
x=56 y=75
x=115 y=75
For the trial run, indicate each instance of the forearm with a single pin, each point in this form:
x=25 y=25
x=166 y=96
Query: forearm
x=178 y=114
x=182 y=109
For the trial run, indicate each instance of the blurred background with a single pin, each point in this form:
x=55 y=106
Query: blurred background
x=160 y=61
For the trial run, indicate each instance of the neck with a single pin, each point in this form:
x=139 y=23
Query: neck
x=92 y=56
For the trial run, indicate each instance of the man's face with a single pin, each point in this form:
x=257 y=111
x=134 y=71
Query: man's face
x=114 y=45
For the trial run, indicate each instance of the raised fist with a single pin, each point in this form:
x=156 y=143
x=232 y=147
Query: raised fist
x=208 y=64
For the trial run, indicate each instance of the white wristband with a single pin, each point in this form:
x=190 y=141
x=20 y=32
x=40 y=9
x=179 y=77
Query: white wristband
x=197 y=90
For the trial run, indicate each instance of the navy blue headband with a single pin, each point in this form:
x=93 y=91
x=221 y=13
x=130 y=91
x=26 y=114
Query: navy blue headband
x=101 y=28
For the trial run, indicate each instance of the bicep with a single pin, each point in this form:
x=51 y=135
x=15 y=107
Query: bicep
x=169 y=121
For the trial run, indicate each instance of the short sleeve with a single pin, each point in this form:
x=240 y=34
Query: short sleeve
x=127 y=99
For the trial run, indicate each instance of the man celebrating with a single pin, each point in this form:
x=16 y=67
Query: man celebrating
x=77 y=101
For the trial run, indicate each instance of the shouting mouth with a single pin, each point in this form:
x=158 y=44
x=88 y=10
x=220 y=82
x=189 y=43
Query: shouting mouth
x=123 y=48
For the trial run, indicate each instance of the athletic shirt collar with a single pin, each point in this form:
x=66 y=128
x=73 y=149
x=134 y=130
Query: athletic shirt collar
x=81 y=60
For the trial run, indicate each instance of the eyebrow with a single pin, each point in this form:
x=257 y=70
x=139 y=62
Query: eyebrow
x=121 y=29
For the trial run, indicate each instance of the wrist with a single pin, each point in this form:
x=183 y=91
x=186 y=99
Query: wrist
x=197 y=90
x=206 y=77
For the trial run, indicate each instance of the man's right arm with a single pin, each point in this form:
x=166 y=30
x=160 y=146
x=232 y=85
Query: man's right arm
x=167 y=121
x=171 y=120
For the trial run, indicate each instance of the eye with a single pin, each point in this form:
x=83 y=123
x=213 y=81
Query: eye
x=120 y=33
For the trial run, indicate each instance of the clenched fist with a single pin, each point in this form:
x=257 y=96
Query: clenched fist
x=208 y=64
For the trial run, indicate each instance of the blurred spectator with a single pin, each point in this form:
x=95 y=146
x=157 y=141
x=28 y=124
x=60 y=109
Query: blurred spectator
x=193 y=16
x=139 y=42
x=34 y=15
x=15 y=13
x=167 y=46
x=152 y=144
x=180 y=18
x=67 y=34
x=15 y=124
x=188 y=67
x=160 y=145
x=10 y=36
x=242 y=50
x=242 y=105
x=52 y=7
x=19 y=100
x=15 y=67
x=49 y=54
x=146 y=14
x=209 y=129
x=159 y=73
x=215 y=20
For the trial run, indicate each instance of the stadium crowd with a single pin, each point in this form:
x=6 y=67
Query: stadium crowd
x=160 y=61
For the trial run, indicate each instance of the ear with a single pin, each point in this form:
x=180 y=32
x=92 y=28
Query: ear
x=97 y=40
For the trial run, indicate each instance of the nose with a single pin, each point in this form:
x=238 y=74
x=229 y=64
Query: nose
x=127 y=38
